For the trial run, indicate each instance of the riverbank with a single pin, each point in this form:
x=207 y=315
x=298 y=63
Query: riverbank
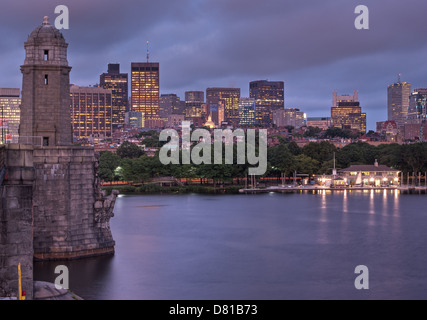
x=238 y=189
x=184 y=189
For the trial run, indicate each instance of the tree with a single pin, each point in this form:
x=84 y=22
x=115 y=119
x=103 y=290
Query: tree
x=129 y=150
x=312 y=132
x=108 y=163
x=321 y=152
x=305 y=164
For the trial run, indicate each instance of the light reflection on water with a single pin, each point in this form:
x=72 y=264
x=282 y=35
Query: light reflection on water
x=267 y=246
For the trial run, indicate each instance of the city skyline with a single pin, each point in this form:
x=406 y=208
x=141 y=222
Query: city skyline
x=228 y=46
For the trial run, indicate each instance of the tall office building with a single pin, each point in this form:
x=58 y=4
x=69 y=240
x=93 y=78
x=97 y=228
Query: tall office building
x=170 y=104
x=10 y=115
x=289 y=117
x=417 y=106
x=145 y=89
x=344 y=98
x=246 y=111
x=323 y=123
x=230 y=97
x=193 y=104
x=118 y=83
x=398 y=101
x=346 y=112
x=269 y=96
x=91 y=112
x=348 y=115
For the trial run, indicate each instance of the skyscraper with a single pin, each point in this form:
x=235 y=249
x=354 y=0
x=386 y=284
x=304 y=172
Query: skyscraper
x=417 y=106
x=91 y=112
x=10 y=115
x=289 y=117
x=269 y=96
x=398 y=101
x=348 y=115
x=230 y=97
x=170 y=104
x=246 y=111
x=193 y=103
x=118 y=83
x=344 y=98
x=145 y=88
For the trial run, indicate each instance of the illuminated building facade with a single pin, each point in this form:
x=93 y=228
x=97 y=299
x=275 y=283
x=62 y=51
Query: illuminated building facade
x=289 y=117
x=135 y=119
x=417 y=106
x=145 y=89
x=216 y=112
x=246 y=111
x=118 y=83
x=398 y=102
x=348 y=115
x=269 y=96
x=323 y=123
x=230 y=97
x=10 y=115
x=344 y=98
x=346 y=112
x=91 y=112
x=170 y=104
x=193 y=104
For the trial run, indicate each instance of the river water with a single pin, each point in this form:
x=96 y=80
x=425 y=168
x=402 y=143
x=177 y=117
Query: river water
x=268 y=246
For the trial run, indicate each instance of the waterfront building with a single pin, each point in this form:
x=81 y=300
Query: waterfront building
x=118 y=84
x=370 y=175
x=145 y=88
x=230 y=98
x=289 y=117
x=398 y=102
x=91 y=112
x=269 y=96
x=10 y=115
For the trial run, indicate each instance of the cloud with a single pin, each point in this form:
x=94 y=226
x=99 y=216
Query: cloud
x=312 y=45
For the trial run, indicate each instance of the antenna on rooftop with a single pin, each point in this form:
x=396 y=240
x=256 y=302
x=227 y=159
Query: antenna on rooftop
x=398 y=77
x=148 y=51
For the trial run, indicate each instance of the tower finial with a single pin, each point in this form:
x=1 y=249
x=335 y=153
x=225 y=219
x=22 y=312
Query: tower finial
x=46 y=21
x=398 y=77
x=148 y=52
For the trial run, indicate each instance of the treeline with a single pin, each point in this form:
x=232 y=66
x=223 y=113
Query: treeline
x=131 y=164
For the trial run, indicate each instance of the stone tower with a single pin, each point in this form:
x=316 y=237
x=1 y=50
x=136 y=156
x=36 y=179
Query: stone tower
x=45 y=109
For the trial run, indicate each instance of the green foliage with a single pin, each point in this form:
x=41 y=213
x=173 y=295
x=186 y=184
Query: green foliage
x=129 y=150
x=108 y=163
x=314 y=158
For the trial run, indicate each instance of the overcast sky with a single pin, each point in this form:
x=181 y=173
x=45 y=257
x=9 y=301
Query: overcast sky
x=311 y=45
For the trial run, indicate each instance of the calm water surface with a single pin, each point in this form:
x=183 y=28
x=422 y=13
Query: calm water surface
x=269 y=246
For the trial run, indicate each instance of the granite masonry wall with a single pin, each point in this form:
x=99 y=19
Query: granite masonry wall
x=71 y=212
x=16 y=231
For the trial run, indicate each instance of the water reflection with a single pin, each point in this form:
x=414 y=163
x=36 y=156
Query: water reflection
x=268 y=246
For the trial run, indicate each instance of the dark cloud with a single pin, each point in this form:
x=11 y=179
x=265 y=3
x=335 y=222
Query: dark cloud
x=312 y=45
